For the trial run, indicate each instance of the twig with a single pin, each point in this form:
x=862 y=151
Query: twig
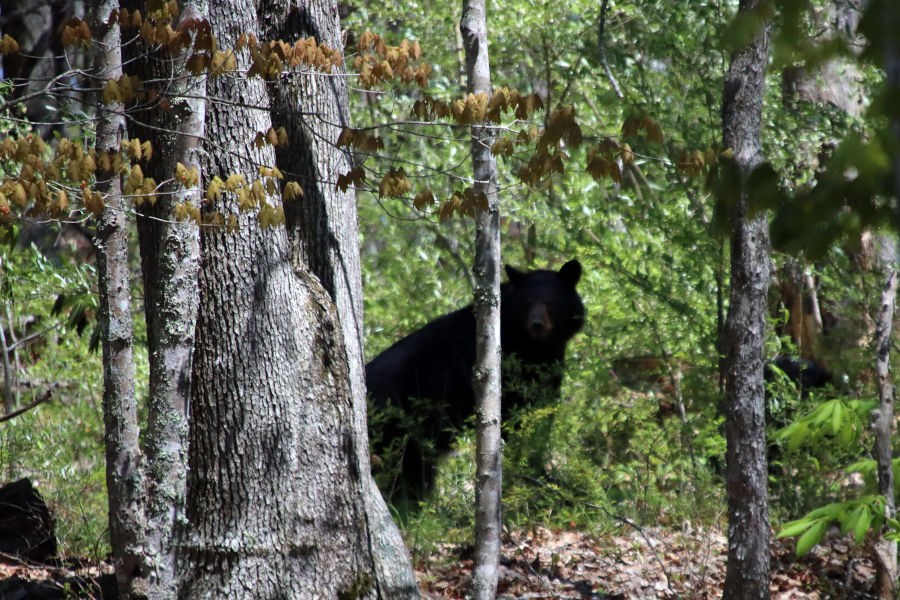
x=602 y=43
x=16 y=413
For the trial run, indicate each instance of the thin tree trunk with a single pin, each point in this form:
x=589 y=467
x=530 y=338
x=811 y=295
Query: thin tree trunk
x=8 y=373
x=882 y=423
x=886 y=551
x=486 y=270
x=324 y=235
x=15 y=364
x=170 y=261
x=276 y=498
x=124 y=475
x=747 y=574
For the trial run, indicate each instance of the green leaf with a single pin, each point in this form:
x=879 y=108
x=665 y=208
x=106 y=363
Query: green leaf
x=862 y=524
x=850 y=522
x=865 y=466
x=832 y=511
x=798 y=436
x=847 y=430
x=836 y=417
x=795 y=528
x=823 y=412
x=812 y=537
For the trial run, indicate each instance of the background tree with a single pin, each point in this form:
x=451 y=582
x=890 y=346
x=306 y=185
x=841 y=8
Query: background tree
x=124 y=476
x=630 y=203
x=746 y=475
x=486 y=270
x=885 y=550
x=169 y=267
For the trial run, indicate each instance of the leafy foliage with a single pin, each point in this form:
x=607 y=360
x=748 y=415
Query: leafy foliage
x=640 y=196
x=857 y=516
x=609 y=151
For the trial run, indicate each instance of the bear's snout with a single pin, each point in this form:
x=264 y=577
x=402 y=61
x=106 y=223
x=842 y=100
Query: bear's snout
x=539 y=324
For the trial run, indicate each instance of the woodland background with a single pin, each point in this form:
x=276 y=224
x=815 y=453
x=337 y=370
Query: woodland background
x=637 y=441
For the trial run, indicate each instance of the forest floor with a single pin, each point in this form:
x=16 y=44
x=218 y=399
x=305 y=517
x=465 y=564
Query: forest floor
x=539 y=563
x=646 y=564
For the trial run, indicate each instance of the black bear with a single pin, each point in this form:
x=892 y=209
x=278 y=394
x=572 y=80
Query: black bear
x=802 y=372
x=803 y=375
x=420 y=388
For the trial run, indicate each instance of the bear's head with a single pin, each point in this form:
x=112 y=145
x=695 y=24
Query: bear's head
x=541 y=311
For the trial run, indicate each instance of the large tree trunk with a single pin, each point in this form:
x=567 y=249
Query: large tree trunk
x=276 y=496
x=124 y=473
x=324 y=236
x=747 y=575
x=486 y=271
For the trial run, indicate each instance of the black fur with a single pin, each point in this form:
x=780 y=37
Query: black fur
x=421 y=387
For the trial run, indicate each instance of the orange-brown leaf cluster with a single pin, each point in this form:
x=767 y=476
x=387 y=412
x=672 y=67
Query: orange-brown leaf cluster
x=635 y=123
x=359 y=139
x=463 y=203
x=30 y=189
x=697 y=162
x=292 y=191
x=549 y=156
x=476 y=108
x=601 y=160
x=74 y=31
x=355 y=176
x=156 y=30
x=125 y=18
x=424 y=199
x=269 y=216
x=141 y=189
x=560 y=128
x=271 y=59
x=394 y=184
x=162 y=10
x=8 y=46
x=93 y=201
x=503 y=146
x=541 y=165
x=185 y=211
x=44 y=183
x=187 y=177
x=376 y=61
x=126 y=89
x=506 y=99
x=272 y=137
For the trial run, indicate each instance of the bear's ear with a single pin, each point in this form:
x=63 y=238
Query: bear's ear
x=514 y=274
x=571 y=272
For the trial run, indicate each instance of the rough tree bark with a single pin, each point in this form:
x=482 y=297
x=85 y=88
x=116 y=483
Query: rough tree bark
x=170 y=253
x=747 y=574
x=124 y=476
x=324 y=237
x=486 y=270
x=276 y=497
x=885 y=551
